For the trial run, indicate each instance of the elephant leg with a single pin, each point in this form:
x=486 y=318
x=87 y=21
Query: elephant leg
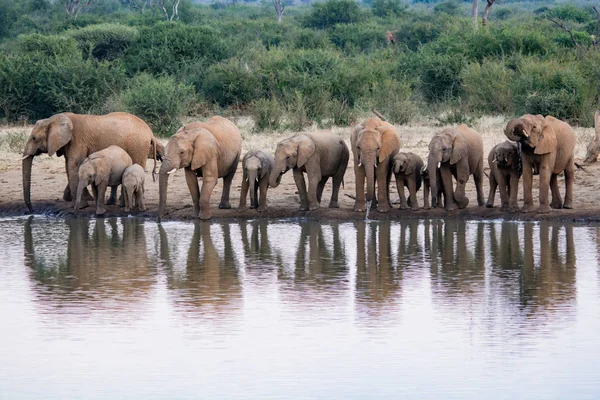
x=426 y=189
x=478 y=178
x=360 y=203
x=208 y=185
x=255 y=202
x=227 y=179
x=388 y=182
x=493 y=187
x=100 y=209
x=95 y=192
x=140 y=198
x=244 y=193
x=527 y=184
x=337 y=180
x=504 y=193
x=67 y=196
x=412 y=193
x=314 y=180
x=513 y=191
x=128 y=199
x=301 y=185
x=556 y=199
x=112 y=199
x=545 y=176
x=569 y=180
x=400 y=188
x=263 y=186
x=320 y=187
x=383 y=204
x=73 y=176
x=462 y=177
x=448 y=188
x=192 y=183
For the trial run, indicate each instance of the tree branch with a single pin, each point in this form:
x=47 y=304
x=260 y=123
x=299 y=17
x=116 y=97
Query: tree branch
x=566 y=29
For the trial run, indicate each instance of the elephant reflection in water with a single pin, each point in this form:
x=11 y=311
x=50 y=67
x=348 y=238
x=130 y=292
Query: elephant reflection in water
x=256 y=244
x=457 y=257
x=103 y=266
x=210 y=281
x=377 y=281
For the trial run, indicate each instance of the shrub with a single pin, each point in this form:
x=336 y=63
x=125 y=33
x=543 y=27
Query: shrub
x=440 y=76
x=159 y=101
x=487 y=86
x=551 y=88
x=46 y=46
x=231 y=83
x=361 y=37
x=267 y=114
x=310 y=39
x=104 y=41
x=331 y=12
x=296 y=113
x=382 y=8
x=393 y=100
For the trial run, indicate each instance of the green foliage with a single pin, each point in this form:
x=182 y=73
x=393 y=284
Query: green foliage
x=231 y=83
x=551 y=88
x=159 y=101
x=582 y=39
x=267 y=114
x=363 y=37
x=383 y=8
x=331 y=12
x=45 y=46
x=569 y=12
x=104 y=41
x=447 y=7
x=440 y=76
x=487 y=86
x=393 y=100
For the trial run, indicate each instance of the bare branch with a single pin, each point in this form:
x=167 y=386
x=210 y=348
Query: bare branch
x=279 y=9
x=489 y=5
x=566 y=29
x=474 y=13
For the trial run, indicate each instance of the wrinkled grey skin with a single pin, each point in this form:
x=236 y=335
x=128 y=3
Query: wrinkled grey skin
x=133 y=187
x=504 y=175
x=438 y=194
x=408 y=169
x=257 y=166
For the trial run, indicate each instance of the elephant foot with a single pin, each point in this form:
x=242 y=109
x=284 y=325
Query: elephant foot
x=544 y=209
x=127 y=209
x=360 y=207
x=527 y=208
x=261 y=208
x=462 y=203
x=142 y=208
x=556 y=205
x=415 y=208
x=303 y=207
x=403 y=207
x=224 y=206
x=383 y=209
x=242 y=209
x=568 y=205
x=489 y=205
x=101 y=211
x=334 y=204
x=111 y=201
x=451 y=207
x=67 y=194
x=313 y=207
x=204 y=215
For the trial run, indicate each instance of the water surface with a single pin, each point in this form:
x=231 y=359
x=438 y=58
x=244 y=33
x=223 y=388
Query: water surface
x=125 y=308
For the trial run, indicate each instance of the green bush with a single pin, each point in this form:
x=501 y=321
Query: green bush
x=266 y=114
x=487 y=86
x=440 y=76
x=46 y=46
x=393 y=100
x=159 y=101
x=231 y=83
x=296 y=113
x=551 y=88
x=383 y=8
x=104 y=41
x=331 y=12
x=362 y=37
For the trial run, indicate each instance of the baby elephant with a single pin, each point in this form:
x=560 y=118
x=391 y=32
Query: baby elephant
x=133 y=185
x=505 y=172
x=257 y=166
x=407 y=169
x=427 y=188
x=102 y=169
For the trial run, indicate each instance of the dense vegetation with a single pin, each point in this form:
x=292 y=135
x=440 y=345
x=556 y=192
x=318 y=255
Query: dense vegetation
x=325 y=63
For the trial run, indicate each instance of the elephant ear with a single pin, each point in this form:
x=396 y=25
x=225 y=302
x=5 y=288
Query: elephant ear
x=390 y=142
x=205 y=148
x=460 y=149
x=102 y=168
x=306 y=148
x=547 y=142
x=265 y=167
x=410 y=168
x=60 y=132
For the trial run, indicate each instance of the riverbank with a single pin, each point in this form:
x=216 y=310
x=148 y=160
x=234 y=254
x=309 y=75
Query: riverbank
x=49 y=181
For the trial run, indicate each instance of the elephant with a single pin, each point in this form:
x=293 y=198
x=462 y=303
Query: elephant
x=408 y=169
x=427 y=188
x=76 y=136
x=102 y=169
x=459 y=152
x=210 y=150
x=374 y=145
x=505 y=172
x=547 y=146
x=257 y=166
x=133 y=187
x=320 y=155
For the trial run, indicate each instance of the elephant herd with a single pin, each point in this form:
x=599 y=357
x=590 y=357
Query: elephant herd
x=112 y=150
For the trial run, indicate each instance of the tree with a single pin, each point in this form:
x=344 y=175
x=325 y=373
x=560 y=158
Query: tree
x=279 y=8
x=474 y=14
x=489 y=5
x=173 y=6
x=73 y=7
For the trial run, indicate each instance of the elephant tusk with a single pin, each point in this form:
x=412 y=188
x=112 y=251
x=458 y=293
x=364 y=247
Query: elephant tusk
x=359 y=164
x=525 y=133
x=439 y=165
x=25 y=157
x=256 y=179
x=495 y=160
x=171 y=171
x=246 y=179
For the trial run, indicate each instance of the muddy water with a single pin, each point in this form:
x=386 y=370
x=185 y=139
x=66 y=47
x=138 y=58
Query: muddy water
x=122 y=308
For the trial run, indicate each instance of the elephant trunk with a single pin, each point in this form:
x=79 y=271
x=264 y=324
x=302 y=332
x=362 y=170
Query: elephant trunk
x=515 y=130
x=432 y=167
x=129 y=192
x=82 y=185
x=252 y=180
x=275 y=177
x=369 y=165
x=26 y=171
x=163 y=180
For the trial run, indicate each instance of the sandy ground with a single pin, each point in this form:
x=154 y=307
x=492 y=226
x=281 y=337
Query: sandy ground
x=49 y=180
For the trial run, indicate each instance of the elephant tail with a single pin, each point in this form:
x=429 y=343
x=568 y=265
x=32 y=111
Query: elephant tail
x=153 y=144
x=381 y=117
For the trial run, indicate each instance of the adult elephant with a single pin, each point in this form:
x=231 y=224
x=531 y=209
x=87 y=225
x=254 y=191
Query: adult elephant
x=210 y=150
x=76 y=136
x=456 y=152
x=547 y=146
x=374 y=145
x=321 y=155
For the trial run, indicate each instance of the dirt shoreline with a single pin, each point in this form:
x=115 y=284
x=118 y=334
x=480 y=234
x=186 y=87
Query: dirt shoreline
x=49 y=180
